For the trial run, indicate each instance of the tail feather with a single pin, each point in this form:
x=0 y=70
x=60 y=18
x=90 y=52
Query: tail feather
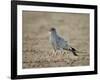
x=74 y=53
x=73 y=50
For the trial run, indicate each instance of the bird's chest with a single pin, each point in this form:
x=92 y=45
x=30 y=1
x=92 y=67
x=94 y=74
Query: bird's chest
x=53 y=39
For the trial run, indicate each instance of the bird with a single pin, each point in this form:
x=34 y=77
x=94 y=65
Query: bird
x=58 y=43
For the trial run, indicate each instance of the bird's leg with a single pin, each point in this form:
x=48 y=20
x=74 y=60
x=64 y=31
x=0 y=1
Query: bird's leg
x=64 y=52
x=61 y=50
x=54 y=51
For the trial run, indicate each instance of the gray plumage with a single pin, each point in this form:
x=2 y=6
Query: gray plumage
x=59 y=43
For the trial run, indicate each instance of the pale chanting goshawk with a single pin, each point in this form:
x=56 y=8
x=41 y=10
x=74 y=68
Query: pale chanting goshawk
x=59 y=43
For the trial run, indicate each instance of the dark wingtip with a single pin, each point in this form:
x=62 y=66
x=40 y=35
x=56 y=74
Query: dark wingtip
x=74 y=51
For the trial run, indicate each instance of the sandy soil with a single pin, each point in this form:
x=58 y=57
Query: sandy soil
x=37 y=50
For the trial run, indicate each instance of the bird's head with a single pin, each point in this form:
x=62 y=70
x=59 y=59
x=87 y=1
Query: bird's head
x=52 y=30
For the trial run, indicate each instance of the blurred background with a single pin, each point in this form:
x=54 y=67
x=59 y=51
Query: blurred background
x=37 y=49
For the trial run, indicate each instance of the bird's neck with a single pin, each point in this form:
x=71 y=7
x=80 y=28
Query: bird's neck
x=53 y=34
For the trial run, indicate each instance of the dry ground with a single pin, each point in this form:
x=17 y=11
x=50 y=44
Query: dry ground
x=37 y=50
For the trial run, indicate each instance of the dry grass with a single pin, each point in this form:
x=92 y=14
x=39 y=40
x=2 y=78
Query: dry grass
x=37 y=50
